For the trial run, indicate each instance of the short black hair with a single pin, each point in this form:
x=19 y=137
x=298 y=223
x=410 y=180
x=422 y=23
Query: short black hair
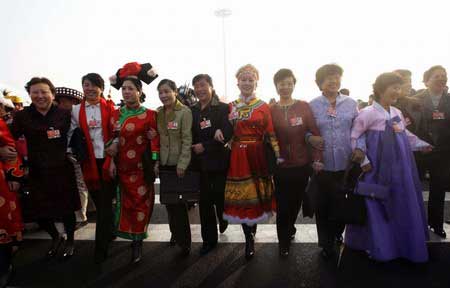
x=169 y=83
x=283 y=74
x=39 y=80
x=427 y=74
x=327 y=70
x=202 y=77
x=383 y=81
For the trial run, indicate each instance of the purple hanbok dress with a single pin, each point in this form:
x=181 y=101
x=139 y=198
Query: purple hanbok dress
x=396 y=227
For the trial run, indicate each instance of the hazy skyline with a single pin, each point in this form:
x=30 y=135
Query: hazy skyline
x=64 y=40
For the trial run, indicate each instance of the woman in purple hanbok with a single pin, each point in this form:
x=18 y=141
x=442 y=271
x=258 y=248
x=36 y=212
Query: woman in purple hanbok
x=396 y=226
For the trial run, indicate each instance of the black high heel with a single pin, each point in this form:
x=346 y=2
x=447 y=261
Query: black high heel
x=69 y=250
x=56 y=243
x=249 y=246
x=136 y=254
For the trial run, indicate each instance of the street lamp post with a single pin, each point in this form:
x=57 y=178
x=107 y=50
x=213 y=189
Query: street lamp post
x=222 y=13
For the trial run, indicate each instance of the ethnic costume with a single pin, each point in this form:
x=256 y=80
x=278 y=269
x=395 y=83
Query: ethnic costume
x=135 y=197
x=396 y=227
x=249 y=186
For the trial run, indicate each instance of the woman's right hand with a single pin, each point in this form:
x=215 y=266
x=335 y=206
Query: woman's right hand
x=316 y=142
x=180 y=172
x=218 y=136
x=112 y=169
x=112 y=149
x=8 y=153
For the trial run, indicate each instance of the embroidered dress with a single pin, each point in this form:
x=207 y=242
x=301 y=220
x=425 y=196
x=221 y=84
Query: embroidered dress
x=10 y=214
x=249 y=186
x=135 y=197
x=396 y=227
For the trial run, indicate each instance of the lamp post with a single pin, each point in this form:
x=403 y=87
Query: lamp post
x=223 y=13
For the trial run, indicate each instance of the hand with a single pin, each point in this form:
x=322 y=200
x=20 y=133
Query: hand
x=180 y=172
x=358 y=156
x=156 y=169
x=112 y=149
x=112 y=170
x=13 y=186
x=8 y=153
x=366 y=168
x=218 y=136
x=427 y=149
x=19 y=236
x=198 y=148
x=316 y=142
x=279 y=161
x=151 y=134
x=317 y=166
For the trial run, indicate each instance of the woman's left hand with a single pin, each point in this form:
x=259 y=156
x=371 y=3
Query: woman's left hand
x=13 y=186
x=151 y=134
x=180 y=172
x=112 y=149
x=112 y=170
x=358 y=156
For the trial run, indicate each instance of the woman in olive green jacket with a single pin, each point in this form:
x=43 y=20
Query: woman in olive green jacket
x=174 y=127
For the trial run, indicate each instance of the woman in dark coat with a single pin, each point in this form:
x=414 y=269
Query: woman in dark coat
x=53 y=190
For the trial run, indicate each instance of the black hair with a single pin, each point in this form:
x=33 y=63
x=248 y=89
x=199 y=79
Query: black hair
x=39 y=80
x=283 y=74
x=95 y=79
x=169 y=83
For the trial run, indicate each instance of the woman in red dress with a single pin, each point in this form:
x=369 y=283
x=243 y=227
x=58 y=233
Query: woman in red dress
x=249 y=186
x=10 y=217
x=135 y=197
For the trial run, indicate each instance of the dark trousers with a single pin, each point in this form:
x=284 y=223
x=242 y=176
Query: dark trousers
x=103 y=203
x=249 y=231
x=290 y=184
x=328 y=183
x=179 y=223
x=48 y=225
x=5 y=258
x=211 y=203
x=438 y=165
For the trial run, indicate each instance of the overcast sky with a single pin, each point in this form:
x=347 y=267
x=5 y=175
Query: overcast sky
x=65 y=39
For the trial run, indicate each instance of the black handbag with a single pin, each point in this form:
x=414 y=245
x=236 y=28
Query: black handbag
x=174 y=190
x=346 y=206
x=309 y=205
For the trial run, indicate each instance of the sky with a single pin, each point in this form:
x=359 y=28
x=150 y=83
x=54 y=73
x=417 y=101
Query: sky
x=66 y=39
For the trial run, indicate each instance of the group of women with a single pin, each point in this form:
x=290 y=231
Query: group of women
x=254 y=160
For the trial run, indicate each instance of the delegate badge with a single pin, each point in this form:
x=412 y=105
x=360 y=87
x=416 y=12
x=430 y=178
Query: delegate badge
x=172 y=125
x=205 y=124
x=93 y=123
x=331 y=111
x=295 y=121
x=437 y=115
x=53 y=134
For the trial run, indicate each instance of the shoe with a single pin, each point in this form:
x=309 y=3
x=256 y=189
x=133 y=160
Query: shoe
x=223 y=225
x=339 y=239
x=249 y=246
x=327 y=253
x=69 y=249
x=136 y=254
x=172 y=241
x=80 y=225
x=292 y=236
x=439 y=231
x=56 y=243
x=4 y=279
x=185 y=251
x=284 y=252
x=207 y=247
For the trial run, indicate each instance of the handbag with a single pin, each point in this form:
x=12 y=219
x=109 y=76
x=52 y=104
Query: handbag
x=270 y=155
x=348 y=207
x=309 y=205
x=174 y=190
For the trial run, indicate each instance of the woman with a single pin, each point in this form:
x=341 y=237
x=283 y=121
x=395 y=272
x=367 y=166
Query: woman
x=396 y=225
x=174 y=127
x=53 y=189
x=210 y=116
x=10 y=215
x=135 y=195
x=334 y=114
x=292 y=119
x=249 y=186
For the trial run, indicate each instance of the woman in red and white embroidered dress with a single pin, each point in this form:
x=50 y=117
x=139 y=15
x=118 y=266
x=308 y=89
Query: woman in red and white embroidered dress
x=249 y=187
x=136 y=196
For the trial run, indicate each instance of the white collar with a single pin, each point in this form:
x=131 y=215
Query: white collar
x=381 y=109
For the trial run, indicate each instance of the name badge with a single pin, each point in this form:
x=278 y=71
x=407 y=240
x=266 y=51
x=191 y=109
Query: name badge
x=396 y=127
x=53 y=134
x=296 y=121
x=172 y=125
x=93 y=123
x=438 y=115
x=205 y=124
x=407 y=121
x=331 y=111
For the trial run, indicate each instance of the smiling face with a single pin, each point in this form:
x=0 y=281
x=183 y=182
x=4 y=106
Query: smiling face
x=247 y=84
x=391 y=94
x=167 y=95
x=130 y=93
x=437 y=81
x=285 y=87
x=203 y=90
x=331 y=84
x=41 y=96
x=91 y=92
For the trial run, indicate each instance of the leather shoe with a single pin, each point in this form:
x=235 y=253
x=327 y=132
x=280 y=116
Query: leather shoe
x=56 y=243
x=80 y=225
x=185 y=251
x=339 y=239
x=69 y=249
x=284 y=252
x=327 y=253
x=172 y=241
x=4 y=279
x=439 y=231
x=207 y=247
x=249 y=246
x=223 y=225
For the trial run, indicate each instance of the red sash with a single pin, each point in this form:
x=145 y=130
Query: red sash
x=89 y=166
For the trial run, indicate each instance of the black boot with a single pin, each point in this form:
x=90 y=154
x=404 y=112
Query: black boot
x=136 y=254
x=249 y=241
